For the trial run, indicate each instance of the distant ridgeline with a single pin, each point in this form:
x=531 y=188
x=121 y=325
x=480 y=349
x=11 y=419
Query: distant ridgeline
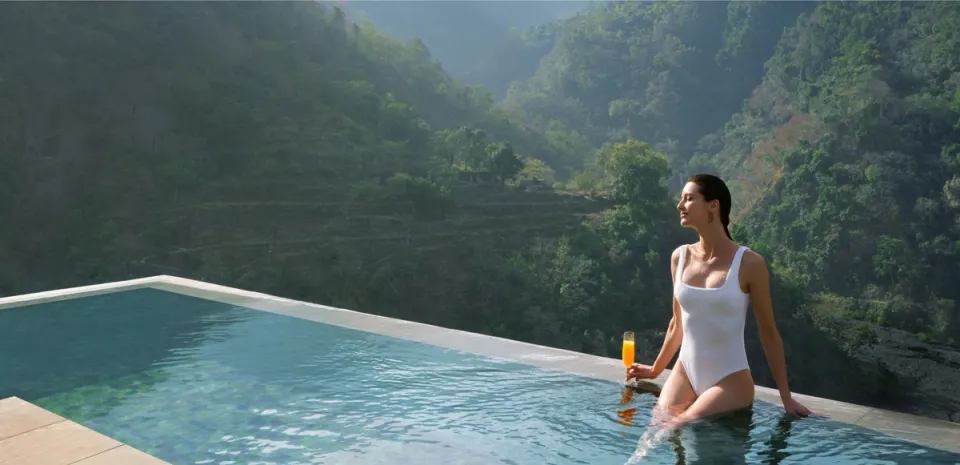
x=465 y=37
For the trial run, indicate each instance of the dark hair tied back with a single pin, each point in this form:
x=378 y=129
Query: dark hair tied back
x=713 y=188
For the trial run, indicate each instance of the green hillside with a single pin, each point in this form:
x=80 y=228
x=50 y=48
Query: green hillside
x=281 y=148
x=664 y=72
x=160 y=100
x=846 y=158
x=273 y=146
x=836 y=125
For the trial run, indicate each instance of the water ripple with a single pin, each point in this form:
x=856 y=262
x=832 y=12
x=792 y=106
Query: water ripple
x=268 y=389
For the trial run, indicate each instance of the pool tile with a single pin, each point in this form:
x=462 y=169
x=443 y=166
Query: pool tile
x=123 y=455
x=766 y=394
x=922 y=430
x=951 y=445
x=232 y=299
x=61 y=443
x=835 y=410
x=56 y=295
x=18 y=416
x=441 y=337
x=608 y=369
x=480 y=344
x=346 y=318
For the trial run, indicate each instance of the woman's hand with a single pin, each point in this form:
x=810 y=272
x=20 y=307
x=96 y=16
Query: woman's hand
x=795 y=408
x=640 y=371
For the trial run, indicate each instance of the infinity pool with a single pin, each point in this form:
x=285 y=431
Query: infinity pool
x=193 y=381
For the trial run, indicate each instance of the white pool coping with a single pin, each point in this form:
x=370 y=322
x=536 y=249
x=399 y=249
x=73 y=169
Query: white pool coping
x=928 y=432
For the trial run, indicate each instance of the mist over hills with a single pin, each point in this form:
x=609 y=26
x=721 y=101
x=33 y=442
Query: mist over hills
x=468 y=36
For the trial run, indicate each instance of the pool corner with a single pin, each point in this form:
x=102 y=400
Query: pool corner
x=30 y=434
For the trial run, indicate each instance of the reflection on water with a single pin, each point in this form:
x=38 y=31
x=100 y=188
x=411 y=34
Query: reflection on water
x=776 y=446
x=725 y=439
x=722 y=440
x=626 y=415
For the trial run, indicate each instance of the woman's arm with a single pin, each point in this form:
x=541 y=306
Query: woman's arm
x=672 y=340
x=674 y=336
x=757 y=278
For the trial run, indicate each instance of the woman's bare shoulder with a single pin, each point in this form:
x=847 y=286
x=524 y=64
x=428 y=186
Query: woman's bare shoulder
x=752 y=258
x=753 y=266
x=675 y=257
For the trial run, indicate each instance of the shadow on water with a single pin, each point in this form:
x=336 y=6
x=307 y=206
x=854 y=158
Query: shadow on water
x=723 y=440
x=727 y=440
x=118 y=340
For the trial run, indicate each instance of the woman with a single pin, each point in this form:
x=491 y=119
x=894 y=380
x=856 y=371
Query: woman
x=713 y=282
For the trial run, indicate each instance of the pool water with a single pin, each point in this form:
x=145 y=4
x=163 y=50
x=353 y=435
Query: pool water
x=193 y=381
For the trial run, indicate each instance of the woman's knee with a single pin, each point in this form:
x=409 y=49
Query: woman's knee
x=663 y=414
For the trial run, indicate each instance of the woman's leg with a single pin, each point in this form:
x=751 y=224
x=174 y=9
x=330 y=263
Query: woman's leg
x=676 y=396
x=731 y=393
x=677 y=393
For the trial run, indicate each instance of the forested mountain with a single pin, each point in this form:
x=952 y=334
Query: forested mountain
x=161 y=101
x=846 y=160
x=836 y=125
x=854 y=182
x=668 y=73
x=283 y=148
x=272 y=146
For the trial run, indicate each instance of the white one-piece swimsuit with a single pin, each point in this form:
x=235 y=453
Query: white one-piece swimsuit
x=713 y=322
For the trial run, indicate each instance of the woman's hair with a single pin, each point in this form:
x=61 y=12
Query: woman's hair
x=713 y=188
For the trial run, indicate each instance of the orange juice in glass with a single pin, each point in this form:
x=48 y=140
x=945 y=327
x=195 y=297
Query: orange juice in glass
x=629 y=350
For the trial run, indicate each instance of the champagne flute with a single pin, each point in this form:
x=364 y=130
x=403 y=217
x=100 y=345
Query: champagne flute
x=629 y=349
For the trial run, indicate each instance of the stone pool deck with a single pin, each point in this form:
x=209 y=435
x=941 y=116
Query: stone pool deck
x=34 y=436
x=920 y=430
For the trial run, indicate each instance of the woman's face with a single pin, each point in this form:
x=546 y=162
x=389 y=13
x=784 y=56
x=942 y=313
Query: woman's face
x=694 y=210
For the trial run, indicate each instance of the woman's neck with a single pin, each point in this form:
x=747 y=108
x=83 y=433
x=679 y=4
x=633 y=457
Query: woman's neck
x=713 y=240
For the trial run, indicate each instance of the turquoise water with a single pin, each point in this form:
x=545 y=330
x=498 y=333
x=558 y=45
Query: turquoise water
x=198 y=382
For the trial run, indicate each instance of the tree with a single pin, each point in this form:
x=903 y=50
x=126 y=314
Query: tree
x=502 y=162
x=636 y=174
x=535 y=169
x=463 y=147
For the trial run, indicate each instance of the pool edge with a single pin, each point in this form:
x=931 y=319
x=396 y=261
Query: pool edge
x=924 y=431
x=30 y=434
x=23 y=300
